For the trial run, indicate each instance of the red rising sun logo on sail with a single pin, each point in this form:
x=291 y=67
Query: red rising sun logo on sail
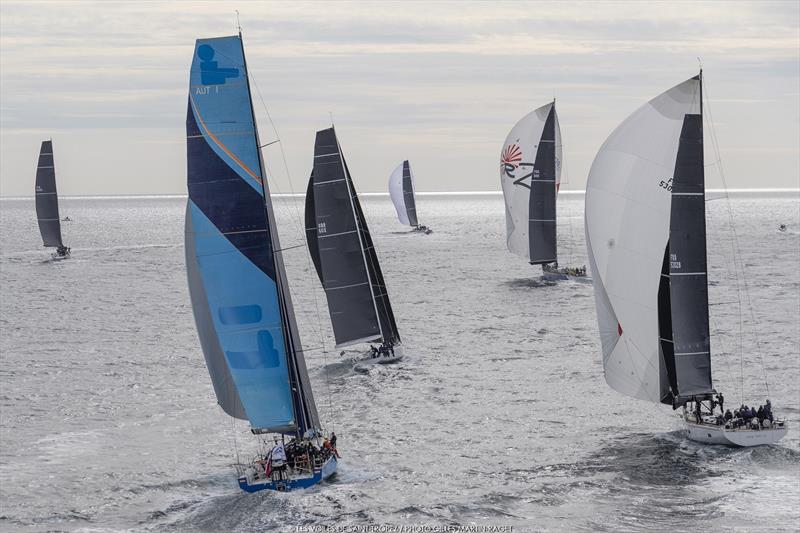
x=511 y=157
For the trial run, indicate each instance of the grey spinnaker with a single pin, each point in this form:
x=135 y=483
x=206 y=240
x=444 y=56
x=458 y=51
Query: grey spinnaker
x=47 y=198
x=688 y=287
x=408 y=195
x=542 y=208
x=342 y=250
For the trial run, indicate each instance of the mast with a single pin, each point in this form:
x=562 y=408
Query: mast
x=295 y=383
x=688 y=267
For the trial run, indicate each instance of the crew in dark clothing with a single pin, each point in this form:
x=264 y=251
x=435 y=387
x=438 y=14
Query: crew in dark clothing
x=768 y=411
x=728 y=415
x=697 y=412
x=721 y=401
x=761 y=416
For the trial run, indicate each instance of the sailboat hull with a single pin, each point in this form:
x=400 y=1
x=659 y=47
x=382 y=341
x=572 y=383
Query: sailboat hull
x=320 y=474
x=708 y=434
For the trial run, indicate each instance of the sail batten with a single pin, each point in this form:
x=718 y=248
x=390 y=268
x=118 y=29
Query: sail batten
x=237 y=282
x=47 y=198
x=342 y=251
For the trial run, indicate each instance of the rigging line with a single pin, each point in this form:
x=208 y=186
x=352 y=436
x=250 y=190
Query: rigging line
x=301 y=227
x=567 y=202
x=742 y=265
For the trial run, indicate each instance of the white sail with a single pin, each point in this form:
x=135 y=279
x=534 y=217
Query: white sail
x=628 y=199
x=396 y=193
x=516 y=171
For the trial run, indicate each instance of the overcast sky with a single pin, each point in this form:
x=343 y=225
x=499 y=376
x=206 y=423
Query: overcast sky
x=440 y=84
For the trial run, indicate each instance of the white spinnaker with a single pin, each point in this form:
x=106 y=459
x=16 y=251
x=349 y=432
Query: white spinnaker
x=520 y=147
x=627 y=228
x=396 y=194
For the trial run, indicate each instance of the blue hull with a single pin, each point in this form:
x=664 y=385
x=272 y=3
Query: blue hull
x=321 y=474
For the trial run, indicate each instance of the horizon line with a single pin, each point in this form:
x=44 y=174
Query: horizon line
x=779 y=190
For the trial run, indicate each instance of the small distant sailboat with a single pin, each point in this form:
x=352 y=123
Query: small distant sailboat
x=530 y=174
x=401 y=190
x=646 y=239
x=237 y=280
x=47 y=203
x=344 y=256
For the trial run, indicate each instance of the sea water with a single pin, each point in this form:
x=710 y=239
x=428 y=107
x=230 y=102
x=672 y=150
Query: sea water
x=498 y=416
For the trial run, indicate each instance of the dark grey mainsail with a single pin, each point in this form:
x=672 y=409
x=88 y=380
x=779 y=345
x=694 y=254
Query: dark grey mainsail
x=542 y=207
x=342 y=250
x=379 y=291
x=686 y=348
x=688 y=266
x=408 y=195
x=47 y=197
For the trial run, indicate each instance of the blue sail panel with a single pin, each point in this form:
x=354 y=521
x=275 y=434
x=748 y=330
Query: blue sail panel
x=231 y=237
x=247 y=321
x=220 y=99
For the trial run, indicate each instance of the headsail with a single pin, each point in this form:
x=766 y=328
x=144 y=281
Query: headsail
x=237 y=281
x=401 y=191
x=47 y=197
x=633 y=204
x=530 y=170
x=342 y=250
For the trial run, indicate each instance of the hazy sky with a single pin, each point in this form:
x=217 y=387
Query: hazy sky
x=438 y=83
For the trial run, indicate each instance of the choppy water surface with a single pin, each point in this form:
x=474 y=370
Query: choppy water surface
x=499 y=415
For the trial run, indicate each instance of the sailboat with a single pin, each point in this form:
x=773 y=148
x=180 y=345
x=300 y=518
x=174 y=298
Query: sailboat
x=47 y=202
x=237 y=280
x=344 y=256
x=401 y=191
x=646 y=240
x=530 y=174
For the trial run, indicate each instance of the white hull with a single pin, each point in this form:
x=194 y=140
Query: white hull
x=709 y=434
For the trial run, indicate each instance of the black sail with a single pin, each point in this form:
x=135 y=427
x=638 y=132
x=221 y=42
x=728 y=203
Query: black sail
x=688 y=287
x=542 y=206
x=408 y=195
x=47 y=197
x=379 y=291
x=337 y=244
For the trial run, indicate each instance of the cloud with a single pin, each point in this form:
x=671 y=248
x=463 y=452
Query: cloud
x=438 y=82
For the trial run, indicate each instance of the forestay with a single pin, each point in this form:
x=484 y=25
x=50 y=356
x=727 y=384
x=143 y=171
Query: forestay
x=644 y=224
x=342 y=250
x=401 y=191
x=530 y=170
x=237 y=280
x=47 y=197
